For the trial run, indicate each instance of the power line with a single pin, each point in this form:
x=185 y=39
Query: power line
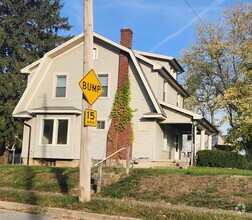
x=194 y=12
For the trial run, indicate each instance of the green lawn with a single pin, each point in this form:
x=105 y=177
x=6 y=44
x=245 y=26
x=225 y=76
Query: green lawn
x=214 y=188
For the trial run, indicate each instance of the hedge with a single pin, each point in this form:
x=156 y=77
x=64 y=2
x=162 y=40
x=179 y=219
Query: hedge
x=218 y=158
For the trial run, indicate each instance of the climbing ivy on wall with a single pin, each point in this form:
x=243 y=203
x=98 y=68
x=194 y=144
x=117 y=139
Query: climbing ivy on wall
x=121 y=112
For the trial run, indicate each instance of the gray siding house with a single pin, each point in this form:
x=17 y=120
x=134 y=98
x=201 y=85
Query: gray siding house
x=51 y=106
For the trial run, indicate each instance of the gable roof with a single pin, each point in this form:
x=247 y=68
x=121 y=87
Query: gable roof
x=171 y=60
x=163 y=71
x=47 y=58
x=41 y=64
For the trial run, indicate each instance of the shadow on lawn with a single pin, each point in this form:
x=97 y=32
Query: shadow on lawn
x=29 y=175
x=31 y=197
x=61 y=179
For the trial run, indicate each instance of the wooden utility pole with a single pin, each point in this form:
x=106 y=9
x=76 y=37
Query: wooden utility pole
x=85 y=155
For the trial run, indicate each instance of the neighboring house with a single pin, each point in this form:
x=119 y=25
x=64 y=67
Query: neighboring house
x=51 y=106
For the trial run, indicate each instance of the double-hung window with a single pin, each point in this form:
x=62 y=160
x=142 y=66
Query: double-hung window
x=60 y=86
x=100 y=125
x=103 y=78
x=55 y=131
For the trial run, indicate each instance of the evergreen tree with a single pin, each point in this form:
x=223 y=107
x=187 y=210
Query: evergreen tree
x=28 y=29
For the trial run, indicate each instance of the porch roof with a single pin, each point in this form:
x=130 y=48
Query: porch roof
x=177 y=114
x=23 y=114
x=153 y=115
x=183 y=119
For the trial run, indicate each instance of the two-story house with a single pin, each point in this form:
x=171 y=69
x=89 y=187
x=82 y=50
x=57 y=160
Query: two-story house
x=51 y=106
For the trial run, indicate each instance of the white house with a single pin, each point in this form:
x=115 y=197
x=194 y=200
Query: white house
x=51 y=106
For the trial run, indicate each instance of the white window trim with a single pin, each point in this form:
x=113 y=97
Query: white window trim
x=55 y=84
x=108 y=74
x=55 y=130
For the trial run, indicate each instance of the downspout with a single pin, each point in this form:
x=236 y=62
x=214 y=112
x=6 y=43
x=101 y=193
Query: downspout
x=29 y=140
x=29 y=143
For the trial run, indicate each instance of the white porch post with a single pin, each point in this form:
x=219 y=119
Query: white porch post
x=202 y=139
x=209 y=146
x=194 y=144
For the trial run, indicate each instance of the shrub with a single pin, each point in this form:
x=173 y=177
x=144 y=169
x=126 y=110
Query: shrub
x=250 y=166
x=218 y=158
x=224 y=147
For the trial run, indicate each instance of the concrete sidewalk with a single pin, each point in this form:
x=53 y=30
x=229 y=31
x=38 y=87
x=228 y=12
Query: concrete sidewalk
x=13 y=215
x=59 y=213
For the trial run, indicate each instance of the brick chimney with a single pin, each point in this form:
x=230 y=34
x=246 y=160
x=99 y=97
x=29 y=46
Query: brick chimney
x=126 y=41
x=126 y=37
x=119 y=139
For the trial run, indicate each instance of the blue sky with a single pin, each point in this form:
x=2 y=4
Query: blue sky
x=159 y=26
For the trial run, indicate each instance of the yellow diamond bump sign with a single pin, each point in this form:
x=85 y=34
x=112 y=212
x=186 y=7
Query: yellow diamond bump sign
x=91 y=87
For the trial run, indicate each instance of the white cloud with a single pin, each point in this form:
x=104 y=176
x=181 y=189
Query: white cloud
x=138 y=6
x=181 y=30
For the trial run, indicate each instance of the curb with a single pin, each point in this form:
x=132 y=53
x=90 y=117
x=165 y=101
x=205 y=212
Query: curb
x=58 y=212
x=68 y=214
x=181 y=207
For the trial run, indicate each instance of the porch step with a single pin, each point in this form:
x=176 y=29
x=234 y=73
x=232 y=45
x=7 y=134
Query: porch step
x=107 y=178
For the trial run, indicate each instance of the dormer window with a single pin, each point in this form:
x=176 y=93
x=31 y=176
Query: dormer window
x=60 y=86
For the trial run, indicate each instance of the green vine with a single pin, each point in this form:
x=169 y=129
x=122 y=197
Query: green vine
x=121 y=112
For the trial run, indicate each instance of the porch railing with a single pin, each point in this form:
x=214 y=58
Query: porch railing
x=100 y=164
